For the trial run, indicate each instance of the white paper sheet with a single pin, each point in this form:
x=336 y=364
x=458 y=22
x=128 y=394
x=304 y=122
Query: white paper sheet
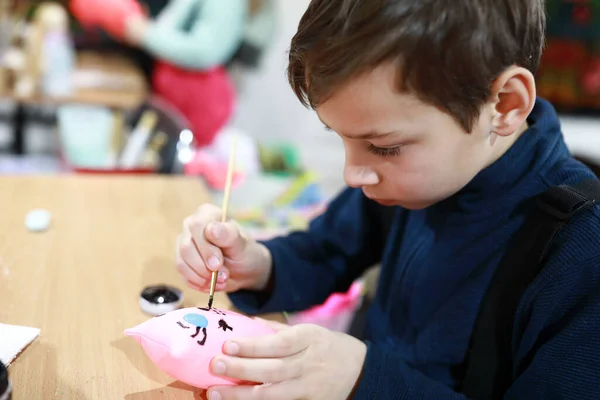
x=13 y=339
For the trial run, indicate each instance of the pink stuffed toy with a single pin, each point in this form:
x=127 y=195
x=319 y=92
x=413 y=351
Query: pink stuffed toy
x=182 y=343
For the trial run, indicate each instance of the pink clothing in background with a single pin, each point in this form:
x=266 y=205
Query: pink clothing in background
x=336 y=313
x=205 y=98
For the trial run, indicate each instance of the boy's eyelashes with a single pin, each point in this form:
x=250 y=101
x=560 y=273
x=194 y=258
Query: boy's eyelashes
x=385 y=151
x=390 y=151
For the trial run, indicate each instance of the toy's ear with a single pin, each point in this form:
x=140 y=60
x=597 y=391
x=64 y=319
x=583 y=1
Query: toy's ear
x=513 y=94
x=133 y=333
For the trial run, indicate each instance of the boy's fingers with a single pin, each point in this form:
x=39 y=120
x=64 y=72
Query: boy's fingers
x=206 y=213
x=188 y=252
x=276 y=326
x=263 y=370
x=196 y=225
x=206 y=288
x=223 y=275
x=284 y=343
x=189 y=274
x=227 y=236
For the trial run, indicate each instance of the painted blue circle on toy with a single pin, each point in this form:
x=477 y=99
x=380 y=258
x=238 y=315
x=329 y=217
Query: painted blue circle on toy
x=196 y=319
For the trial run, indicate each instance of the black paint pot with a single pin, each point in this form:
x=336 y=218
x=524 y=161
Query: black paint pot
x=5 y=388
x=160 y=299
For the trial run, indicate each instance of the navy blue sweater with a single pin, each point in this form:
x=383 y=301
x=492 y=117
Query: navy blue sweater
x=436 y=267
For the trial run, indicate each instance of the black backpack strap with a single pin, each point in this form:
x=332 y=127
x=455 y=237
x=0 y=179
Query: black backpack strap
x=489 y=364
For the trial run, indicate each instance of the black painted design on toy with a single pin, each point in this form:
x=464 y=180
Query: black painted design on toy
x=223 y=325
x=200 y=342
x=216 y=311
x=200 y=322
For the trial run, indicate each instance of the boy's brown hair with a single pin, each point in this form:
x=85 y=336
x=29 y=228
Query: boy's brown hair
x=448 y=52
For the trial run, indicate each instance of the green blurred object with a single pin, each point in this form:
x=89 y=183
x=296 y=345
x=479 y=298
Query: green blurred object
x=280 y=159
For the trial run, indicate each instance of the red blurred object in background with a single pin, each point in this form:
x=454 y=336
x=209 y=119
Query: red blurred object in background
x=591 y=79
x=569 y=72
x=110 y=15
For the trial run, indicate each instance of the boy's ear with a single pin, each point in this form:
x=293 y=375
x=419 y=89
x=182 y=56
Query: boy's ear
x=513 y=95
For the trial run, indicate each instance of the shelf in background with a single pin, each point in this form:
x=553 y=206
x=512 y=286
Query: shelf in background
x=582 y=135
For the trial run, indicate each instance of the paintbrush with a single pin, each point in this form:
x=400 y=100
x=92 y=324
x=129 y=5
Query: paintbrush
x=213 y=281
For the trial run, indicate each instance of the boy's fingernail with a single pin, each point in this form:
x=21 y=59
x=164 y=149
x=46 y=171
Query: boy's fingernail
x=219 y=368
x=217 y=231
x=232 y=348
x=222 y=276
x=213 y=262
x=214 y=395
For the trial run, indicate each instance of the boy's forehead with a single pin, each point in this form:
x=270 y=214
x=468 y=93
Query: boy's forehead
x=370 y=105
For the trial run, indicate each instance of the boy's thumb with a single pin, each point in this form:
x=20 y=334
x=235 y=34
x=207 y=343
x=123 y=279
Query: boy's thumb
x=227 y=236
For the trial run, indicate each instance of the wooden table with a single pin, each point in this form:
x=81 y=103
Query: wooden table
x=79 y=281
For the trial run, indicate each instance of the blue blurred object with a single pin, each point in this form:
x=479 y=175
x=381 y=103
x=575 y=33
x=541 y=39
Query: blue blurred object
x=311 y=195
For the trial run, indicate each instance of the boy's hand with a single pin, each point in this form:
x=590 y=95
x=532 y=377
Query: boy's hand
x=298 y=362
x=207 y=245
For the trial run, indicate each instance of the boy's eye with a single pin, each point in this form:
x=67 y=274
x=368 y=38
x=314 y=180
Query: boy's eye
x=385 y=151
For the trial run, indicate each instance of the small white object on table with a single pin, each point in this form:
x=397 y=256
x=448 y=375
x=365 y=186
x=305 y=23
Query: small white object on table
x=37 y=220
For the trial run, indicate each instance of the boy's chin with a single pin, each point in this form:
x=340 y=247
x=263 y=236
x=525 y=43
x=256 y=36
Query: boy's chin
x=414 y=203
x=417 y=204
x=386 y=203
x=406 y=204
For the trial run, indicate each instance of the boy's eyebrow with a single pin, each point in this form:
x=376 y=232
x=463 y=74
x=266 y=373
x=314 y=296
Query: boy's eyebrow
x=372 y=135
x=368 y=135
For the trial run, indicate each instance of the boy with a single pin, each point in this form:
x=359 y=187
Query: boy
x=436 y=105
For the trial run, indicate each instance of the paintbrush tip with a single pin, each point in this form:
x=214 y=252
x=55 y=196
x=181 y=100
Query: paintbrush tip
x=210 y=302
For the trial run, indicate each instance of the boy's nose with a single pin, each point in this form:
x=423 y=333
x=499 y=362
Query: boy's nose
x=359 y=176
